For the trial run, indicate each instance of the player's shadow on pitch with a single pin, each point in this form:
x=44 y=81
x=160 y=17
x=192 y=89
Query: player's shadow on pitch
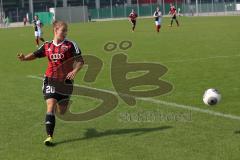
x=237 y=132
x=93 y=133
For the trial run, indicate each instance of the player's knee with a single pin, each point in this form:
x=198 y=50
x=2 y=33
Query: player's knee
x=51 y=103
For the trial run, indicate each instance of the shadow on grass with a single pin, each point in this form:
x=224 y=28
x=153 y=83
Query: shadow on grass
x=93 y=133
x=237 y=132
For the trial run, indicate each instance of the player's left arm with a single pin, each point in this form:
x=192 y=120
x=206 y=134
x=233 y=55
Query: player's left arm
x=38 y=23
x=78 y=64
x=77 y=67
x=160 y=14
x=71 y=75
x=175 y=11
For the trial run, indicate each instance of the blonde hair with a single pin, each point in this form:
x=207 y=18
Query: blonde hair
x=58 y=24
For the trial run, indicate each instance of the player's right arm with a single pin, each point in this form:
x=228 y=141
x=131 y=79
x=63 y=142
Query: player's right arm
x=169 y=13
x=129 y=17
x=154 y=15
x=27 y=57
x=31 y=56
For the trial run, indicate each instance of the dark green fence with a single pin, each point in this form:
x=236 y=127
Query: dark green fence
x=45 y=17
x=123 y=11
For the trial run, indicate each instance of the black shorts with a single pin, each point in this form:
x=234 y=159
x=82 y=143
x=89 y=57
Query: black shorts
x=174 y=16
x=59 y=90
x=133 y=22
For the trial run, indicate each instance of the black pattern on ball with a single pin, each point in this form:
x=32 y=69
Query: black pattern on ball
x=212 y=101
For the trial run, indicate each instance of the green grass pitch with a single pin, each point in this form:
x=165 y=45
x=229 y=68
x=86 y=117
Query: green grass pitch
x=204 y=52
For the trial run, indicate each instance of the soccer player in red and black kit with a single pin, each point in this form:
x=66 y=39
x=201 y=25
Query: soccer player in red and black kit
x=133 y=19
x=59 y=52
x=173 y=13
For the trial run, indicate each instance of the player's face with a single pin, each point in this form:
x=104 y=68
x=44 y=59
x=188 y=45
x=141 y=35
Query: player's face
x=60 y=33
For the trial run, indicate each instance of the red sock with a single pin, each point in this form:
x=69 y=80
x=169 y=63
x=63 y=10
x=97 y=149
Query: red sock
x=158 y=28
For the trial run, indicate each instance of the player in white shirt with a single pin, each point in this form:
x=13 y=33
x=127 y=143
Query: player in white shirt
x=37 y=30
x=158 y=18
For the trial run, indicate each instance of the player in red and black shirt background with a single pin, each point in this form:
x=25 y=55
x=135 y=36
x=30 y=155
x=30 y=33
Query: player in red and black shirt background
x=173 y=13
x=133 y=19
x=64 y=62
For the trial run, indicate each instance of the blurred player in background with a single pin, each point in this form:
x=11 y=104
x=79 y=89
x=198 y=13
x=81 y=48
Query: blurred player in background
x=173 y=13
x=133 y=19
x=37 y=30
x=158 y=18
x=64 y=62
x=25 y=21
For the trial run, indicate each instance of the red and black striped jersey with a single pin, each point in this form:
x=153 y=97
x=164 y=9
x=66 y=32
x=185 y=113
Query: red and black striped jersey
x=172 y=10
x=133 y=16
x=61 y=58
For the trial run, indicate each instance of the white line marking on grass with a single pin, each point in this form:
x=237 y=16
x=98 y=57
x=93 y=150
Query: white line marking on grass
x=155 y=101
x=35 y=77
x=192 y=108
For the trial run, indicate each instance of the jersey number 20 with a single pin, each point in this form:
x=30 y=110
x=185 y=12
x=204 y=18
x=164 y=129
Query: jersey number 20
x=50 y=89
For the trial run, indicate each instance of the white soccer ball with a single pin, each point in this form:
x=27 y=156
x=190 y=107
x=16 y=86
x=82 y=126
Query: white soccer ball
x=211 y=97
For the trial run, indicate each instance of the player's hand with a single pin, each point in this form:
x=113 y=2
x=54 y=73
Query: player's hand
x=21 y=57
x=71 y=75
